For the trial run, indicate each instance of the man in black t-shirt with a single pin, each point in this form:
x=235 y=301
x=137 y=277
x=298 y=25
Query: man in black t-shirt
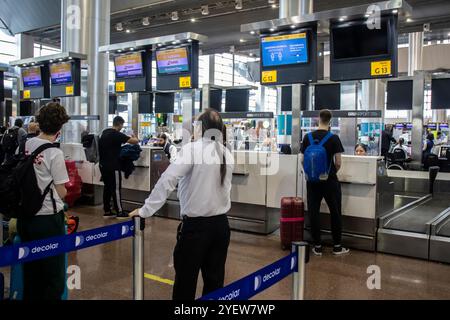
x=329 y=189
x=110 y=145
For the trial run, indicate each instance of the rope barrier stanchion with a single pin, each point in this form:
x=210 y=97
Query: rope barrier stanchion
x=301 y=249
x=138 y=259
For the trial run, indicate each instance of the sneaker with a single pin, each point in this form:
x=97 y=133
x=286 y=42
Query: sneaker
x=109 y=214
x=122 y=216
x=317 y=251
x=339 y=250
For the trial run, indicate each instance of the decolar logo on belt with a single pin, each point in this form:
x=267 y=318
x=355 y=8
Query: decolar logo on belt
x=260 y=280
x=79 y=240
x=25 y=251
x=232 y=295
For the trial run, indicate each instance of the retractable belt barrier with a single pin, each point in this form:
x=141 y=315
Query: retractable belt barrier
x=41 y=249
x=261 y=280
x=243 y=289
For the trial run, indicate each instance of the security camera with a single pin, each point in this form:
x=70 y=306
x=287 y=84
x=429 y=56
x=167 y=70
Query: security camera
x=426 y=27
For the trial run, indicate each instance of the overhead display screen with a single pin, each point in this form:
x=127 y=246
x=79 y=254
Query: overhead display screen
x=399 y=95
x=440 y=94
x=237 y=100
x=284 y=50
x=32 y=77
x=129 y=66
x=356 y=40
x=327 y=96
x=172 y=61
x=61 y=73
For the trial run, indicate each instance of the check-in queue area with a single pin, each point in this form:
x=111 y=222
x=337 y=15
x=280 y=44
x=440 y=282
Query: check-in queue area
x=390 y=165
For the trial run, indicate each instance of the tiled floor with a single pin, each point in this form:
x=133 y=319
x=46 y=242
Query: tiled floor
x=106 y=271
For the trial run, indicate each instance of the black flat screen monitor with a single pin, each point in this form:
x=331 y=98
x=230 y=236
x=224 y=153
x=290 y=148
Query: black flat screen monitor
x=215 y=99
x=32 y=77
x=164 y=102
x=327 y=96
x=356 y=39
x=237 y=100
x=400 y=95
x=61 y=73
x=173 y=61
x=112 y=104
x=145 y=103
x=440 y=94
x=282 y=50
x=129 y=65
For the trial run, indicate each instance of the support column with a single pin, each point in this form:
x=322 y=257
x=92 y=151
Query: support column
x=85 y=26
x=25 y=50
x=188 y=107
x=290 y=8
x=415 y=59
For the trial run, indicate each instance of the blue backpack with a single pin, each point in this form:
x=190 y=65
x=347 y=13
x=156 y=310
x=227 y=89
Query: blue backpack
x=316 y=163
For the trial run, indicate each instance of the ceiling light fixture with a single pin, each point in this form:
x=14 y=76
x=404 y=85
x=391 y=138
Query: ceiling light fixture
x=146 y=21
x=238 y=4
x=343 y=18
x=409 y=20
x=274 y=6
x=128 y=31
x=272 y=29
x=193 y=20
x=205 y=10
x=252 y=32
x=293 y=26
x=174 y=16
x=395 y=11
x=271 y=1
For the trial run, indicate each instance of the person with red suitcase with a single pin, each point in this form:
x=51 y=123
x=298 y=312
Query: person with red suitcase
x=321 y=161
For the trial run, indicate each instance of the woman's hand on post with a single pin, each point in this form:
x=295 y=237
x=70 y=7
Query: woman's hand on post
x=134 y=213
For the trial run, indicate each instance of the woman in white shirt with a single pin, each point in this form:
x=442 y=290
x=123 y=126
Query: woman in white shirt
x=203 y=171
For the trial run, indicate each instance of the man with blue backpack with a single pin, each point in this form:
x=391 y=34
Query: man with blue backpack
x=321 y=161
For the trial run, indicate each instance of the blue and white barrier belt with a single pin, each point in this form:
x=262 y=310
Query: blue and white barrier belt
x=26 y=252
x=257 y=282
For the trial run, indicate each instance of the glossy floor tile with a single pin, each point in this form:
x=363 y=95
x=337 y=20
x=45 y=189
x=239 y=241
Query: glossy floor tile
x=106 y=270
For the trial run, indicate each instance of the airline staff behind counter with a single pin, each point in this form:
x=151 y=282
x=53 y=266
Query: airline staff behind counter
x=203 y=169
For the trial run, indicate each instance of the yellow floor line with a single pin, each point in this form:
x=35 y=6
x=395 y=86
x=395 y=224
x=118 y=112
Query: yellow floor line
x=158 y=279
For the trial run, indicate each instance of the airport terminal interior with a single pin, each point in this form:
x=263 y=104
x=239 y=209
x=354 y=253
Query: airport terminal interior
x=269 y=68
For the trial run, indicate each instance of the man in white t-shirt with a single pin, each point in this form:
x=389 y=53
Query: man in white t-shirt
x=45 y=279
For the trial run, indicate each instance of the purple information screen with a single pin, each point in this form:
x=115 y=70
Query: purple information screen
x=129 y=66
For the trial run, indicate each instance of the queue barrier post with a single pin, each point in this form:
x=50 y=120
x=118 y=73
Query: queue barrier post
x=138 y=259
x=1 y=230
x=298 y=278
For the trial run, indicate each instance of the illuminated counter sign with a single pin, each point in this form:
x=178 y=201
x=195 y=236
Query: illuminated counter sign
x=61 y=73
x=172 y=61
x=32 y=77
x=284 y=50
x=381 y=68
x=129 y=65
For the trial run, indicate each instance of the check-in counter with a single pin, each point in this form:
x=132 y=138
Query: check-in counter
x=367 y=193
x=260 y=180
x=148 y=168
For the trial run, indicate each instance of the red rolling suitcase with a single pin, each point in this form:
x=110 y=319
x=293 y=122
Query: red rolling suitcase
x=292 y=221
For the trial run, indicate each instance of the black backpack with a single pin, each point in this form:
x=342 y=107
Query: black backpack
x=20 y=195
x=10 y=141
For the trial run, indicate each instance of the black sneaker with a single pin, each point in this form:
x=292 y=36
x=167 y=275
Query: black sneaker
x=317 y=251
x=109 y=214
x=122 y=216
x=340 y=250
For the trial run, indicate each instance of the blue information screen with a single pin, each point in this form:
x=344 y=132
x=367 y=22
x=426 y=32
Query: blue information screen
x=284 y=50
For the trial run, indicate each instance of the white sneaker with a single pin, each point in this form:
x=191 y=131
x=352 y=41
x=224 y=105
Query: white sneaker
x=339 y=250
x=317 y=251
